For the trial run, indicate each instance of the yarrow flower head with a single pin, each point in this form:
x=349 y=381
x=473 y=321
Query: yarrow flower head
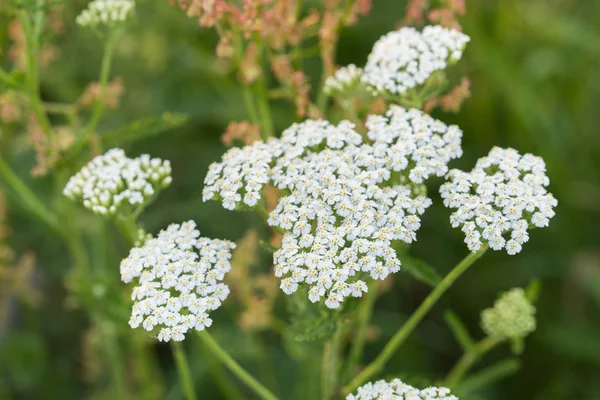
x=179 y=278
x=345 y=81
x=106 y=13
x=344 y=202
x=414 y=142
x=500 y=199
x=398 y=390
x=113 y=183
x=512 y=316
x=404 y=59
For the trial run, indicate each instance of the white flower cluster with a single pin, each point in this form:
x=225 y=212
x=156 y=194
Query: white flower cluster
x=105 y=12
x=340 y=223
x=113 y=181
x=242 y=173
x=398 y=390
x=179 y=276
x=404 y=59
x=344 y=201
x=414 y=140
x=345 y=80
x=500 y=199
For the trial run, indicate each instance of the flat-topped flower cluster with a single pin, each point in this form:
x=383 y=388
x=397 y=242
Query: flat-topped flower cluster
x=404 y=59
x=106 y=13
x=398 y=390
x=180 y=280
x=113 y=183
x=500 y=199
x=344 y=202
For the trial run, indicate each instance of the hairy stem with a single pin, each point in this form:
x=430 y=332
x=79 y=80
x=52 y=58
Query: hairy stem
x=402 y=334
x=235 y=368
x=183 y=369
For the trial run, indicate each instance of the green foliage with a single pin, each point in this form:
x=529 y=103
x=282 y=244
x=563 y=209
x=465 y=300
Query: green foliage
x=533 y=67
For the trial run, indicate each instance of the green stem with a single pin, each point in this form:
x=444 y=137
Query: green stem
x=184 y=371
x=32 y=40
x=111 y=345
x=402 y=334
x=330 y=363
x=363 y=317
x=235 y=368
x=250 y=106
x=229 y=391
x=98 y=110
x=469 y=358
x=128 y=228
x=264 y=109
x=238 y=48
x=28 y=198
x=8 y=79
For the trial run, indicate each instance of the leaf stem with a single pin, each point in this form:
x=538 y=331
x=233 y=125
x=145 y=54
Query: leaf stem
x=402 y=334
x=183 y=369
x=235 y=368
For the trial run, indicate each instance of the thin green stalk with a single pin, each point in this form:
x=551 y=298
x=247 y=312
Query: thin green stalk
x=363 y=318
x=260 y=87
x=238 y=49
x=184 y=371
x=235 y=368
x=468 y=359
x=402 y=334
x=128 y=228
x=32 y=40
x=229 y=391
x=8 y=79
x=111 y=344
x=98 y=110
x=330 y=363
x=117 y=367
x=29 y=199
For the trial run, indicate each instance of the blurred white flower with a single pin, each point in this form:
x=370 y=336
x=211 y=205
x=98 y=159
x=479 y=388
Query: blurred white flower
x=398 y=390
x=344 y=81
x=180 y=280
x=106 y=13
x=512 y=316
x=404 y=59
x=113 y=183
x=500 y=199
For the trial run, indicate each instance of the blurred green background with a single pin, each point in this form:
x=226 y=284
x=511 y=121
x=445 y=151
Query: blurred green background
x=533 y=67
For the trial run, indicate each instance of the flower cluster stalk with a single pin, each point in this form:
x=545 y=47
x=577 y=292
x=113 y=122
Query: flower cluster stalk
x=184 y=371
x=402 y=334
x=234 y=367
x=469 y=358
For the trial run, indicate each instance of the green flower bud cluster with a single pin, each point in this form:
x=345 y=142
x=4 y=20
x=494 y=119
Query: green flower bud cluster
x=512 y=316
